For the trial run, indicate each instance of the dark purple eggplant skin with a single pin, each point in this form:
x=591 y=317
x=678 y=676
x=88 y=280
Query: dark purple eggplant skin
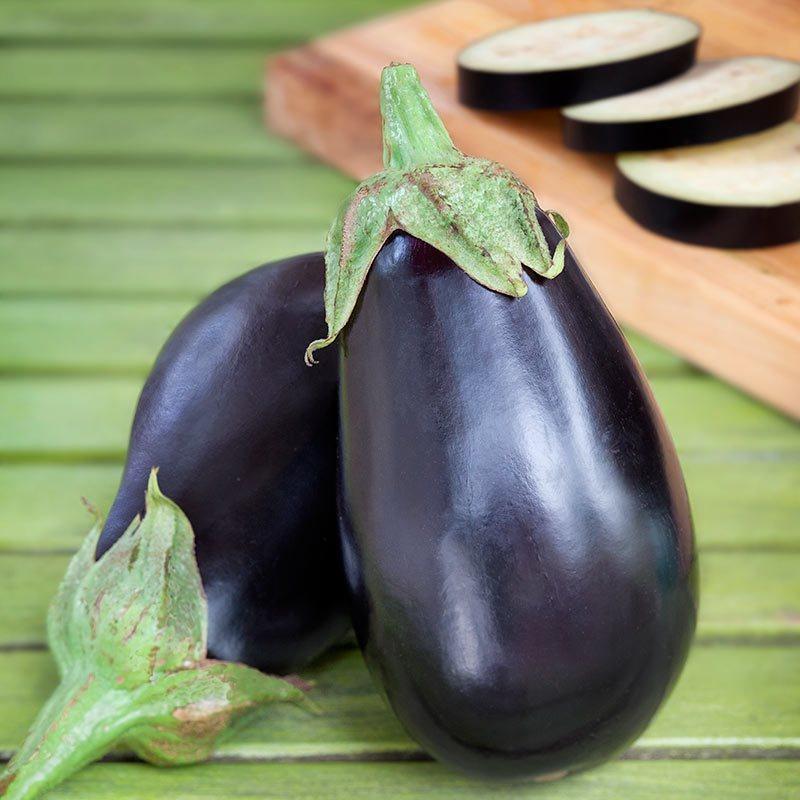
x=730 y=227
x=244 y=435
x=515 y=526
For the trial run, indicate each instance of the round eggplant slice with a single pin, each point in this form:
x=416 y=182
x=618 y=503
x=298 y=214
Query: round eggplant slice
x=741 y=193
x=713 y=101
x=515 y=529
x=574 y=59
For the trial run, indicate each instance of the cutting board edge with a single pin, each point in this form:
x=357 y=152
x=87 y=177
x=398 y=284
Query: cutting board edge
x=305 y=85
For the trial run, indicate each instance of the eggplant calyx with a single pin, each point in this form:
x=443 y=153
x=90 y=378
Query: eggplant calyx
x=475 y=211
x=128 y=634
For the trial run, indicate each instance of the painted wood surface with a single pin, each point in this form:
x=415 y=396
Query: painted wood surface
x=742 y=780
x=699 y=721
x=135 y=176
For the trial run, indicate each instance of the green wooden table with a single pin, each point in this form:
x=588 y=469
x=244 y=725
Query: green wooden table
x=135 y=176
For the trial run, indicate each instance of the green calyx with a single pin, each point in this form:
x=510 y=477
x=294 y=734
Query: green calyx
x=128 y=634
x=474 y=211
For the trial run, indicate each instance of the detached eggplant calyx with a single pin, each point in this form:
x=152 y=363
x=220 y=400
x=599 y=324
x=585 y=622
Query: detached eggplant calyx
x=128 y=634
x=474 y=211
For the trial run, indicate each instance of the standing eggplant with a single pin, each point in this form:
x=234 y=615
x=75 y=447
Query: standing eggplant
x=245 y=437
x=516 y=531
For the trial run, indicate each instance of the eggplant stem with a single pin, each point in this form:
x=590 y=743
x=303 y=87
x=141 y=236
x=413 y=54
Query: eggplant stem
x=79 y=723
x=128 y=633
x=413 y=133
x=477 y=213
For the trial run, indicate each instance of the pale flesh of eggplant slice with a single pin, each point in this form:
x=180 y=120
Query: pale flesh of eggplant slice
x=575 y=58
x=713 y=101
x=740 y=193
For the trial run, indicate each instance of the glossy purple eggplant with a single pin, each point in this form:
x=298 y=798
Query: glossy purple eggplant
x=516 y=529
x=244 y=435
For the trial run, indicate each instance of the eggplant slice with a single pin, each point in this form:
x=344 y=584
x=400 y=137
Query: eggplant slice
x=714 y=100
x=740 y=193
x=575 y=58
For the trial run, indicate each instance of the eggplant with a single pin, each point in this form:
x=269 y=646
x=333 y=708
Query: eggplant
x=575 y=58
x=713 y=101
x=516 y=532
x=741 y=193
x=245 y=439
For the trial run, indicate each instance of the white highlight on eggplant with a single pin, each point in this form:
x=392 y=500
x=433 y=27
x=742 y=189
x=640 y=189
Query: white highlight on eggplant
x=706 y=87
x=758 y=170
x=579 y=40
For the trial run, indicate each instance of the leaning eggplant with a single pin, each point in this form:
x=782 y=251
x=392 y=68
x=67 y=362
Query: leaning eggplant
x=245 y=437
x=516 y=531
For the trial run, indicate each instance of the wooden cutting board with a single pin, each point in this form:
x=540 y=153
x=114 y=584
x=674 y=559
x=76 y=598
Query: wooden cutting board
x=734 y=313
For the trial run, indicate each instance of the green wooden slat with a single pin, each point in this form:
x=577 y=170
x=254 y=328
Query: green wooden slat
x=254 y=195
x=742 y=505
x=92 y=73
x=130 y=131
x=744 y=780
x=752 y=595
x=707 y=416
x=181 y=20
x=112 y=335
x=142 y=261
x=89 y=417
x=728 y=698
x=40 y=504
x=106 y=336
x=64 y=418
x=655 y=359
x=29 y=583
x=749 y=594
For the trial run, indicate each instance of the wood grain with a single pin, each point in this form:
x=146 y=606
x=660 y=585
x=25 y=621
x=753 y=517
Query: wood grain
x=632 y=780
x=736 y=314
x=238 y=196
x=728 y=698
x=166 y=260
x=174 y=23
x=142 y=132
